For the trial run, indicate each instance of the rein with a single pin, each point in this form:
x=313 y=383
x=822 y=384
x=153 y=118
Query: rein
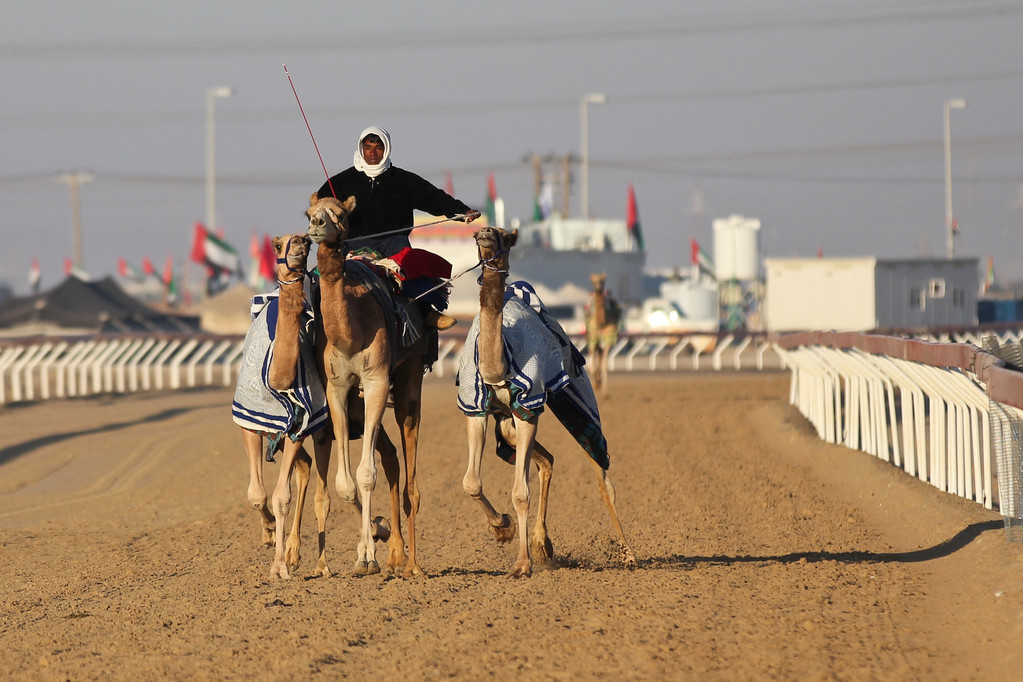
x=405 y=230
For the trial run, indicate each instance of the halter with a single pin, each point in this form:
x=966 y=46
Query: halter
x=301 y=271
x=488 y=263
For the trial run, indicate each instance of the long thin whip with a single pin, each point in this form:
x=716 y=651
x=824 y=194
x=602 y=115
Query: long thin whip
x=311 y=136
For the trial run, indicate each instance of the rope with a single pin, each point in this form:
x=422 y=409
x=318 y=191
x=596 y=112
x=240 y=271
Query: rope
x=405 y=230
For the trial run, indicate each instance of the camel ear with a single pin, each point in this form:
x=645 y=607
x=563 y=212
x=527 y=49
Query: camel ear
x=349 y=204
x=513 y=237
x=313 y=198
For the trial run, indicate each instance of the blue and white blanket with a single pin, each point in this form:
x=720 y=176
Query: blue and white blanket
x=298 y=411
x=544 y=368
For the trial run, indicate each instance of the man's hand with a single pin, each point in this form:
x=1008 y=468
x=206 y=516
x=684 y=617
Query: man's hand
x=471 y=216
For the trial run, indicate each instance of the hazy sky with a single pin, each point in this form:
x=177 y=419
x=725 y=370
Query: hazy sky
x=822 y=119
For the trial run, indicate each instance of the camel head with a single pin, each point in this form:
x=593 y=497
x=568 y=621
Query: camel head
x=493 y=245
x=292 y=253
x=328 y=218
x=598 y=280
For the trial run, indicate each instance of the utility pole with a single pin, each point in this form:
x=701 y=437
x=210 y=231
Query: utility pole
x=74 y=181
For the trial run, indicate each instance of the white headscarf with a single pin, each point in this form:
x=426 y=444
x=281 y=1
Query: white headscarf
x=385 y=162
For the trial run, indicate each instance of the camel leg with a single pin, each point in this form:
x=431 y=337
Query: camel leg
x=472 y=483
x=526 y=432
x=375 y=391
x=408 y=413
x=603 y=371
x=607 y=493
x=540 y=542
x=337 y=401
x=594 y=361
x=257 y=492
x=321 y=450
x=281 y=503
x=303 y=463
x=392 y=473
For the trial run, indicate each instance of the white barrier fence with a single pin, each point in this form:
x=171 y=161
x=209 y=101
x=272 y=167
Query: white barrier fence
x=44 y=368
x=950 y=414
x=68 y=368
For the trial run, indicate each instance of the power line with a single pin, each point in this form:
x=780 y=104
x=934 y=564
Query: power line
x=650 y=28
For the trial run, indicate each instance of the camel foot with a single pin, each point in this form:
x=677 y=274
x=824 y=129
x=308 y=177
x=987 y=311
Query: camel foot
x=291 y=558
x=521 y=570
x=322 y=570
x=279 y=570
x=381 y=529
x=628 y=558
x=414 y=571
x=396 y=560
x=363 y=567
x=269 y=537
x=542 y=550
x=506 y=531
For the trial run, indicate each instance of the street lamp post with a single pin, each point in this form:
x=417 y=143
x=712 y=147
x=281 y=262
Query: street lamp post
x=211 y=206
x=949 y=220
x=584 y=181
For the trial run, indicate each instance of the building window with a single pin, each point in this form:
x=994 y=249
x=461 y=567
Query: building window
x=916 y=298
x=936 y=288
x=959 y=298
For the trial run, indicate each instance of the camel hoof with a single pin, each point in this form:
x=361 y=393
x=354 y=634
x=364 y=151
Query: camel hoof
x=323 y=571
x=541 y=551
x=520 y=572
x=278 y=570
x=381 y=529
x=414 y=572
x=366 y=567
x=506 y=531
x=291 y=558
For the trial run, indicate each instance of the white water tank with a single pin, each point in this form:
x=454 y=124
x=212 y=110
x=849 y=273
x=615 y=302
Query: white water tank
x=736 y=248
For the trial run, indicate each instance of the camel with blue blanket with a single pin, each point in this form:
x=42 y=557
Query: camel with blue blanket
x=279 y=396
x=516 y=360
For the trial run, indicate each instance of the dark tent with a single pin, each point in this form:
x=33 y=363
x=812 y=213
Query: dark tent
x=101 y=307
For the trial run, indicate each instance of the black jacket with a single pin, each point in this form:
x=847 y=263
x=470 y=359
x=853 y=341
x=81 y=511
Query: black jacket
x=386 y=202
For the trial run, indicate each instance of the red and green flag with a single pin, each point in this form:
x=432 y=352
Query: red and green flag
x=632 y=221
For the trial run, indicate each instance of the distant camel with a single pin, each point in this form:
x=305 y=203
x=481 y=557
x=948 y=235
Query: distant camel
x=603 y=316
x=273 y=398
x=356 y=349
x=509 y=329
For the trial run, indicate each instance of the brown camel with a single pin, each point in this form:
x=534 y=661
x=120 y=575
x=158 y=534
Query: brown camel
x=355 y=349
x=292 y=253
x=515 y=424
x=602 y=320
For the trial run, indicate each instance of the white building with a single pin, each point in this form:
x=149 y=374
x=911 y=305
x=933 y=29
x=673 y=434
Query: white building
x=861 y=294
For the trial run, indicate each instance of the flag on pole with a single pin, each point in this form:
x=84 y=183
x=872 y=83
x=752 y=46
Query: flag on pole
x=632 y=220
x=449 y=185
x=268 y=260
x=491 y=201
x=544 y=203
x=220 y=258
x=130 y=271
x=170 y=285
x=213 y=251
x=72 y=270
x=989 y=280
x=147 y=267
x=35 y=277
x=701 y=260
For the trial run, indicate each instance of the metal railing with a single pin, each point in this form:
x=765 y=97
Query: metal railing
x=948 y=413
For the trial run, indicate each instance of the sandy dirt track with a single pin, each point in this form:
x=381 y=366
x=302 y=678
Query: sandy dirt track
x=129 y=552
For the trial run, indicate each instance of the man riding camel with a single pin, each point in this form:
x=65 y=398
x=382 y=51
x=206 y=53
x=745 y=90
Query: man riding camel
x=385 y=198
